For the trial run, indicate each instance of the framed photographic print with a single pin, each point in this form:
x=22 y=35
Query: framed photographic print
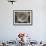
x=22 y=17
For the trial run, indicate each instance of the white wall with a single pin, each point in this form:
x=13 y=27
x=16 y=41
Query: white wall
x=38 y=30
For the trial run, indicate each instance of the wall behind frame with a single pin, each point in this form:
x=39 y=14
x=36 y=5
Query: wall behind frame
x=9 y=32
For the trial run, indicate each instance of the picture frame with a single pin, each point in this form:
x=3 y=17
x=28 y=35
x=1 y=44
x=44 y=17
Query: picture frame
x=22 y=17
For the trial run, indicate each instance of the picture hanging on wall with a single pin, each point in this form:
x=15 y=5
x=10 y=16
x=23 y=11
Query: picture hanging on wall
x=22 y=17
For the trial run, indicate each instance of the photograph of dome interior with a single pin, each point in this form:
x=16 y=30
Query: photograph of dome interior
x=22 y=16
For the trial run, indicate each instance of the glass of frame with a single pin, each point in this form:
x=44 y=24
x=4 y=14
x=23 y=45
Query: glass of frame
x=22 y=17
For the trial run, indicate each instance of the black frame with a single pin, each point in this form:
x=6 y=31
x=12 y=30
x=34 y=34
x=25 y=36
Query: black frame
x=22 y=23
